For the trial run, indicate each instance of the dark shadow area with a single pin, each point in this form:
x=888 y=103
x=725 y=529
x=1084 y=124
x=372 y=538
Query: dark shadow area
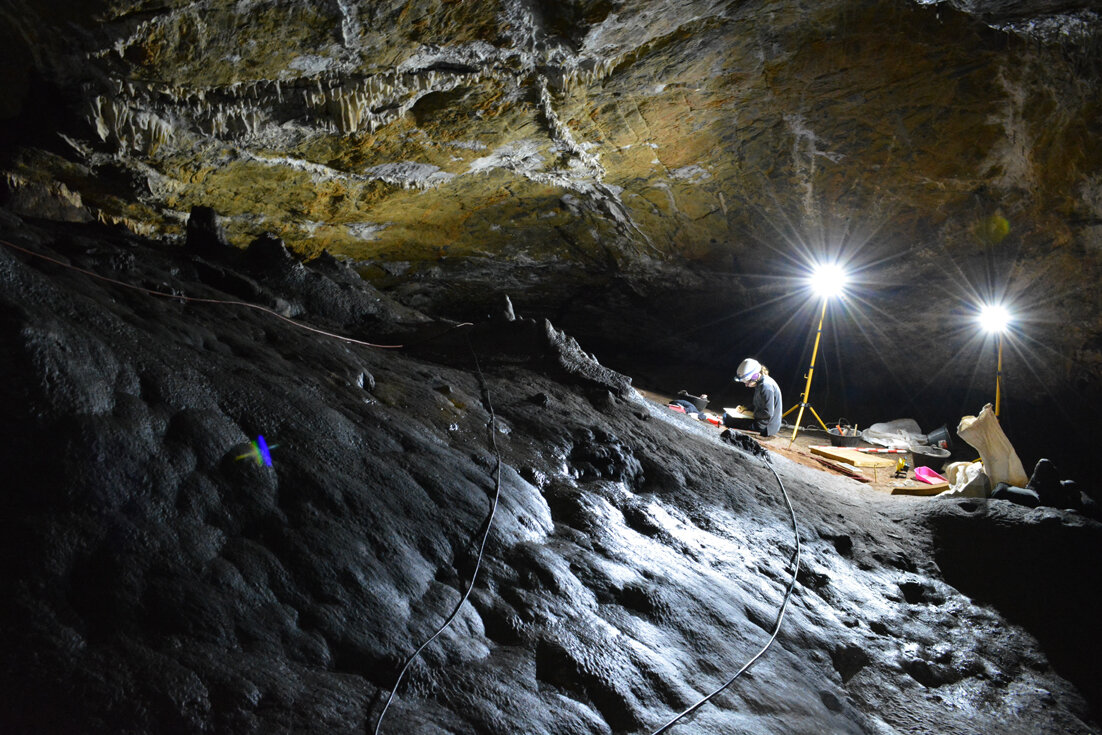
x=1038 y=569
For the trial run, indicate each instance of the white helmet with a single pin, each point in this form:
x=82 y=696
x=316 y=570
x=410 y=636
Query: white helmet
x=748 y=370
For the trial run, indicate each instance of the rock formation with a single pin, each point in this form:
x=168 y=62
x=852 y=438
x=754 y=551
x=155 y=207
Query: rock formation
x=604 y=158
x=543 y=204
x=160 y=578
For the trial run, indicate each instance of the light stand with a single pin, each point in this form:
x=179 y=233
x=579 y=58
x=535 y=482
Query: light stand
x=827 y=280
x=994 y=318
x=999 y=376
x=807 y=388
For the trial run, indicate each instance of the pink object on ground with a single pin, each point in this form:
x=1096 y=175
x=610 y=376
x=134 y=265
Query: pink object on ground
x=925 y=474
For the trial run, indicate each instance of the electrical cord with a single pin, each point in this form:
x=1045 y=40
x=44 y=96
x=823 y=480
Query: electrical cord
x=780 y=614
x=492 y=428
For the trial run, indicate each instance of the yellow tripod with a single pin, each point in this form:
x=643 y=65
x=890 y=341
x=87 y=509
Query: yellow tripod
x=807 y=388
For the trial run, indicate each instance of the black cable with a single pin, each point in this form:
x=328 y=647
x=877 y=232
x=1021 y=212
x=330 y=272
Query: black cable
x=780 y=614
x=492 y=426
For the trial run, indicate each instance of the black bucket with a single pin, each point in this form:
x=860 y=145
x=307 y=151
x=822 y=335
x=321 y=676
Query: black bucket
x=939 y=437
x=838 y=439
x=931 y=456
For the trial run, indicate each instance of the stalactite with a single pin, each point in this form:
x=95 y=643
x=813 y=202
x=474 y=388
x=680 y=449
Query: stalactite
x=119 y=124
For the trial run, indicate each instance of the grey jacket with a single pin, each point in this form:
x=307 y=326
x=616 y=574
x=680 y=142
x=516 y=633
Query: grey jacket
x=767 y=406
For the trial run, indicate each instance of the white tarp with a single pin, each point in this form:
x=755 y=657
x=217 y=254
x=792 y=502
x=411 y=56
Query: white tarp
x=897 y=434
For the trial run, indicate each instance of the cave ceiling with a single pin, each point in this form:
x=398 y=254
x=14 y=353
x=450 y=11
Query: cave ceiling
x=696 y=153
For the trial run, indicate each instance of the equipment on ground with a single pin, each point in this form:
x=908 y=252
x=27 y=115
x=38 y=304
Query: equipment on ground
x=995 y=319
x=851 y=456
x=901 y=468
x=843 y=437
x=929 y=476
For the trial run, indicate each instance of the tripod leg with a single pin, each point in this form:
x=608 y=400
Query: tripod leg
x=817 y=417
x=810 y=372
x=799 y=418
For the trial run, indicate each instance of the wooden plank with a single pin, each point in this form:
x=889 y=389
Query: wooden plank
x=920 y=488
x=853 y=457
x=841 y=468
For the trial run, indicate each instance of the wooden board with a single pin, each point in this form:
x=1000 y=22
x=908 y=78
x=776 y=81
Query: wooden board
x=843 y=469
x=853 y=457
x=738 y=414
x=920 y=488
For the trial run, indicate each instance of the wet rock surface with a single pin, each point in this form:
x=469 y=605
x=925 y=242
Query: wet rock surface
x=158 y=578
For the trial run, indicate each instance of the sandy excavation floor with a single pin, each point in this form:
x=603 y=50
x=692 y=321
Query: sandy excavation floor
x=880 y=479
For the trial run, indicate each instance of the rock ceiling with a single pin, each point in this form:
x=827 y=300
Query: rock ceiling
x=454 y=150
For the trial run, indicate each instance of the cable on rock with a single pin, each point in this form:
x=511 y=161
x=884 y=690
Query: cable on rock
x=780 y=614
x=197 y=300
x=492 y=428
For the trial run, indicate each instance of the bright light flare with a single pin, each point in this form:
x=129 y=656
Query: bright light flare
x=828 y=280
x=994 y=318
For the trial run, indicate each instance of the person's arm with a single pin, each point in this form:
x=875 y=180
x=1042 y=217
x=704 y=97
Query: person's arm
x=777 y=408
x=763 y=400
x=768 y=403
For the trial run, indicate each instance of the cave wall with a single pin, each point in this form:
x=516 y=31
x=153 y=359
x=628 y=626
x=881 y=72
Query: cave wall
x=623 y=560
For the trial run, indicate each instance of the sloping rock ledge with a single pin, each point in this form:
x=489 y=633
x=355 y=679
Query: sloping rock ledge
x=158 y=579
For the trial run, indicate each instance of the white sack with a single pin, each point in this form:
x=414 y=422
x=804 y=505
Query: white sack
x=966 y=480
x=1000 y=461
